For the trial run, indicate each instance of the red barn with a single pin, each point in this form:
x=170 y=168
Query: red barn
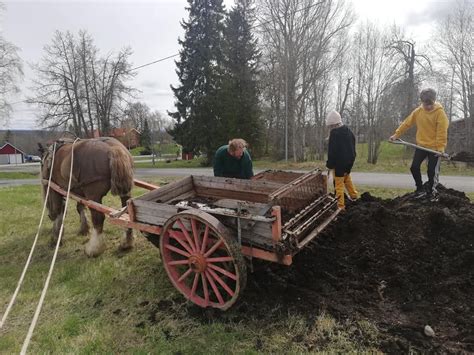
x=9 y=154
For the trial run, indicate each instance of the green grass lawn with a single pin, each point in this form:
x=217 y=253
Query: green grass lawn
x=165 y=148
x=18 y=175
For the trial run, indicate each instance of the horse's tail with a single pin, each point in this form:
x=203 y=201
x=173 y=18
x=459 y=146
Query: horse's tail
x=121 y=171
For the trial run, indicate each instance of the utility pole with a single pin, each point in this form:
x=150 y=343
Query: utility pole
x=286 y=103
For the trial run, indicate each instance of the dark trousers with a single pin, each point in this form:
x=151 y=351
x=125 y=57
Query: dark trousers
x=433 y=168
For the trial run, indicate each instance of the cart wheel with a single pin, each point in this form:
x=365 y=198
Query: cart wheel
x=202 y=259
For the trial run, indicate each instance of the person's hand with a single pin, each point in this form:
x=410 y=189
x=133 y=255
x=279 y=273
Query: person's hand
x=392 y=138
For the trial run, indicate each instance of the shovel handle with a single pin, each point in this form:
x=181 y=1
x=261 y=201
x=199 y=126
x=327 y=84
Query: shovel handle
x=400 y=141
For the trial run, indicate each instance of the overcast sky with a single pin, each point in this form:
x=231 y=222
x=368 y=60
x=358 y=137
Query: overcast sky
x=151 y=28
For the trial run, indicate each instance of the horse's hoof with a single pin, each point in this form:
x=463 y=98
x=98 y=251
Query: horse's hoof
x=93 y=252
x=125 y=247
x=53 y=243
x=84 y=232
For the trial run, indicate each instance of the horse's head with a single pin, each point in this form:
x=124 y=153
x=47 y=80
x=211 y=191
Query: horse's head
x=46 y=161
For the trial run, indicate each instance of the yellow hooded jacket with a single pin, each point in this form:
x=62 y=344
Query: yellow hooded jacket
x=431 y=127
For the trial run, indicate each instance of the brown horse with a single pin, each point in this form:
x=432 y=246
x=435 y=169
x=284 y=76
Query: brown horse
x=100 y=165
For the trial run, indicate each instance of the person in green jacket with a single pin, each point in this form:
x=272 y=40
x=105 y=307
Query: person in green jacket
x=233 y=160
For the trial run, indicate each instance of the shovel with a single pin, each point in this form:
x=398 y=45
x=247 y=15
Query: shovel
x=440 y=154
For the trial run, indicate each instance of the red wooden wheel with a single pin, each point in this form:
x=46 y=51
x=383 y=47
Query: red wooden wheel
x=202 y=259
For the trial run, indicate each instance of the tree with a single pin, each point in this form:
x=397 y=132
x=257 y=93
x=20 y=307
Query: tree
x=136 y=113
x=375 y=71
x=455 y=40
x=11 y=71
x=240 y=111
x=408 y=84
x=74 y=87
x=145 y=138
x=198 y=127
x=8 y=136
x=300 y=44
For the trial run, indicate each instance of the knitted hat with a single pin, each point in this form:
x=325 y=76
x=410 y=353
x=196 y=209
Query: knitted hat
x=333 y=118
x=428 y=96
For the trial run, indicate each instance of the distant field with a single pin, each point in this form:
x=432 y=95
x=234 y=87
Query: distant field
x=18 y=175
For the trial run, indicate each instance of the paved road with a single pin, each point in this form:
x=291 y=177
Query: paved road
x=461 y=183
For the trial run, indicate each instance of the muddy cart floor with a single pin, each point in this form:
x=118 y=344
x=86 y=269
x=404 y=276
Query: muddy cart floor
x=400 y=264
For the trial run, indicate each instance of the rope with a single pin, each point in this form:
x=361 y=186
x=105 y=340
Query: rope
x=12 y=301
x=46 y=284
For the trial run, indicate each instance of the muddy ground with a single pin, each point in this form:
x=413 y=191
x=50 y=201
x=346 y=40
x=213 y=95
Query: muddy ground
x=400 y=264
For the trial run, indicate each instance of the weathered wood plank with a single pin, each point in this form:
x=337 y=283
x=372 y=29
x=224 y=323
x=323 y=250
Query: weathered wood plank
x=203 y=191
x=236 y=184
x=177 y=187
x=149 y=219
x=184 y=196
x=154 y=206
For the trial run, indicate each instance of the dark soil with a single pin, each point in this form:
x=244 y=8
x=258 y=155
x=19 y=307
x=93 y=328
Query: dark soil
x=400 y=264
x=463 y=156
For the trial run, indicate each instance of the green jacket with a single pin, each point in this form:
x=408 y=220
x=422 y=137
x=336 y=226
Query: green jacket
x=227 y=166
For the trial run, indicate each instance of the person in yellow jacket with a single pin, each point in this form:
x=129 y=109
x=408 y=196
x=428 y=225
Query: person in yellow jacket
x=431 y=132
x=341 y=157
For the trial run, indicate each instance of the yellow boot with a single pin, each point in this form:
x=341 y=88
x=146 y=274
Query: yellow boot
x=350 y=187
x=339 y=188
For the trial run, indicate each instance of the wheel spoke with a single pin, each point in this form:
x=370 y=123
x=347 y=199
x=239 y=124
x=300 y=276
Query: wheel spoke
x=214 y=287
x=178 y=262
x=198 y=251
x=186 y=234
x=195 y=234
x=204 y=241
x=186 y=274
x=175 y=235
x=214 y=248
x=220 y=259
x=178 y=251
x=195 y=284
x=221 y=282
x=204 y=287
x=222 y=271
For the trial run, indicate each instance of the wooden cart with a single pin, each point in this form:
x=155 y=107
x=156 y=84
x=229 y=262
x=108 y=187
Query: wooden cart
x=206 y=226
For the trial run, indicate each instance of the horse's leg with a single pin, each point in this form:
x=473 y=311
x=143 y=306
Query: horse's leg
x=56 y=228
x=127 y=239
x=56 y=212
x=96 y=244
x=81 y=209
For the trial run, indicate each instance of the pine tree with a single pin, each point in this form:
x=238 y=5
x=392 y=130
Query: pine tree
x=197 y=123
x=145 y=138
x=239 y=95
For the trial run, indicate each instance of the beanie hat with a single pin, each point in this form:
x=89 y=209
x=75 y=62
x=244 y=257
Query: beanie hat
x=428 y=96
x=333 y=118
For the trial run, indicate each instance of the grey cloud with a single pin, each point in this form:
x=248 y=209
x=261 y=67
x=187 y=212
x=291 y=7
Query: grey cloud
x=433 y=11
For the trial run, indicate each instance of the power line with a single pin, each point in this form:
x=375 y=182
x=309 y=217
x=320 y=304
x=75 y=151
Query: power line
x=175 y=55
x=154 y=62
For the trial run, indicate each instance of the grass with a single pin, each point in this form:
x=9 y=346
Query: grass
x=124 y=302
x=166 y=148
x=195 y=163
x=392 y=159
x=18 y=175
